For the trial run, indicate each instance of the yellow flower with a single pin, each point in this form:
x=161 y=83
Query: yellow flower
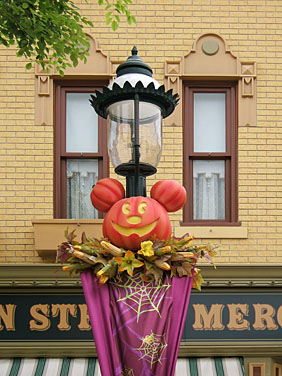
x=146 y=249
x=128 y=263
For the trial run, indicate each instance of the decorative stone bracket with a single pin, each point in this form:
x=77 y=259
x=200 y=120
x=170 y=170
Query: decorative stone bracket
x=211 y=59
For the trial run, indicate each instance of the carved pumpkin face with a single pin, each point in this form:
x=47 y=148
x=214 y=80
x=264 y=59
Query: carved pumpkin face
x=133 y=220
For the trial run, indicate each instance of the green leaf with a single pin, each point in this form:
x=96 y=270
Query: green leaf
x=28 y=66
x=114 y=25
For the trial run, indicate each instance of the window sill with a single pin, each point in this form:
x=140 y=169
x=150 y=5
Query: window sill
x=48 y=234
x=213 y=232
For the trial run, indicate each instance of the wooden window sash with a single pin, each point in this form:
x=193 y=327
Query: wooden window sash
x=60 y=154
x=230 y=155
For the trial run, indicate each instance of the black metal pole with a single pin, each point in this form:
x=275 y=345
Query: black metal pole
x=136 y=143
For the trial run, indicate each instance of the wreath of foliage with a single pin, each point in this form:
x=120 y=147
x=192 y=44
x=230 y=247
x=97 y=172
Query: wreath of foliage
x=154 y=260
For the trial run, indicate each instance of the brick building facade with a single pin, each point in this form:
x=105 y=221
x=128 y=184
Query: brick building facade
x=170 y=36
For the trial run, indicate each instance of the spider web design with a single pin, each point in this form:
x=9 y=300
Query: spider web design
x=127 y=372
x=141 y=296
x=152 y=348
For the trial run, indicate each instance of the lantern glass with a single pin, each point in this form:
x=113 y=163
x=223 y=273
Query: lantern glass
x=121 y=135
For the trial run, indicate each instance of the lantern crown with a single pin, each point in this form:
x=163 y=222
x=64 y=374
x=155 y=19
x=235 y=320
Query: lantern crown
x=134 y=64
x=134 y=77
x=100 y=101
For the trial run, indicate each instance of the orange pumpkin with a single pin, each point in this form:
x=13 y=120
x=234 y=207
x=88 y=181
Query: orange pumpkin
x=170 y=194
x=105 y=193
x=135 y=219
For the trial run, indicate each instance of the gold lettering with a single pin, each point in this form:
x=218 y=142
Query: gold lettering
x=39 y=312
x=84 y=318
x=8 y=316
x=63 y=310
x=264 y=317
x=279 y=315
x=236 y=320
x=205 y=320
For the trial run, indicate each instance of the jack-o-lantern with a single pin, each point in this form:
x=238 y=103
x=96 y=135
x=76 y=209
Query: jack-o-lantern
x=133 y=220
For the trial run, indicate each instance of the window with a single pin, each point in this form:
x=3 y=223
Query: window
x=81 y=156
x=210 y=153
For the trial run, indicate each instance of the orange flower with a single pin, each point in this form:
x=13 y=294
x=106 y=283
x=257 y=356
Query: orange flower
x=128 y=263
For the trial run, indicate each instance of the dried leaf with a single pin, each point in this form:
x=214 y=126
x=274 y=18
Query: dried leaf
x=185 y=269
x=152 y=272
x=197 y=279
x=83 y=238
x=70 y=236
x=62 y=253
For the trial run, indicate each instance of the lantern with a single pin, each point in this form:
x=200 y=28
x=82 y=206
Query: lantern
x=134 y=105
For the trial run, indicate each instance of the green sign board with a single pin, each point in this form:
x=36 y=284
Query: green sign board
x=212 y=316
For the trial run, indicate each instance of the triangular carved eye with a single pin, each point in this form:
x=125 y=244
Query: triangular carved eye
x=126 y=208
x=142 y=207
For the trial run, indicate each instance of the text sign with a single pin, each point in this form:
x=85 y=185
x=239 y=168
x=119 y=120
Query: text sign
x=211 y=316
x=234 y=316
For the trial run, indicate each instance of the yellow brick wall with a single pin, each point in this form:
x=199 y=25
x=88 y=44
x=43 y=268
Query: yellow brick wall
x=164 y=31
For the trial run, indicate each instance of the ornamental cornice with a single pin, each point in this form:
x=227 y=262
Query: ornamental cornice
x=229 y=276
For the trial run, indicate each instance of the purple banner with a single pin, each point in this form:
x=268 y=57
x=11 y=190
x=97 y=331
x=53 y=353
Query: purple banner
x=137 y=325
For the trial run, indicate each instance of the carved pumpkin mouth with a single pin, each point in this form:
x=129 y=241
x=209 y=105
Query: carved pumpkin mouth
x=141 y=231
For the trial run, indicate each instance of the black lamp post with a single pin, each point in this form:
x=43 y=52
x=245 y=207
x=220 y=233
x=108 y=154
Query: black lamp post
x=134 y=104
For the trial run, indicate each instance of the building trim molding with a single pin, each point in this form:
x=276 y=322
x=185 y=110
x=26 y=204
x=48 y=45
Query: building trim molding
x=210 y=58
x=225 y=275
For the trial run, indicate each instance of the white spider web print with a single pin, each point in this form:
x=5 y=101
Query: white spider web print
x=152 y=348
x=141 y=296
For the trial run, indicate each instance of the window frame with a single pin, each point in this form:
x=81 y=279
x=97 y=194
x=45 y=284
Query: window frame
x=61 y=88
x=230 y=155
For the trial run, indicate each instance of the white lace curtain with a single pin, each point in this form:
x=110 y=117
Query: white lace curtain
x=209 y=189
x=208 y=197
x=81 y=176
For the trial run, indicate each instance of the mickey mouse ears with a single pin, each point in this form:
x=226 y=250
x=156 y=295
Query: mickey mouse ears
x=108 y=191
x=170 y=194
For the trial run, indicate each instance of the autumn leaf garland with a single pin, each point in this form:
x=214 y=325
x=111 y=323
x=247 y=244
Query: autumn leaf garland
x=176 y=256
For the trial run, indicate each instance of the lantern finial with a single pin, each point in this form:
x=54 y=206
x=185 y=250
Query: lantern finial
x=134 y=51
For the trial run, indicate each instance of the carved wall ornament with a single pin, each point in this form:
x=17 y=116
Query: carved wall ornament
x=43 y=85
x=210 y=47
x=211 y=59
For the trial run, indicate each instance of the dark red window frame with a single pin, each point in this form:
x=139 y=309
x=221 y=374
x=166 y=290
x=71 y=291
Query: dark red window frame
x=60 y=155
x=230 y=155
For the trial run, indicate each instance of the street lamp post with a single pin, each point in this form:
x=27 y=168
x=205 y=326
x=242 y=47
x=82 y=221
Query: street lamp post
x=134 y=105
